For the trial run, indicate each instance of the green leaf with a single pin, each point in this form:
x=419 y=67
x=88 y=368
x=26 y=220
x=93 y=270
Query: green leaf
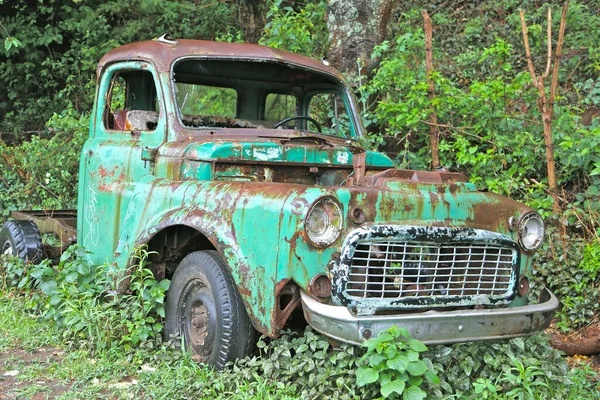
x=519 y=343
x=416 y=368
x=376 y=359
x=366 y=375
x=165 y=283
x=432 y=377
x=11 y=41
x=48 y=287
x=396 y=386
x=415 y=381
x=302 y=348
x=413 y=393
x=412 y=355
x=398 y=363
x=72 y=277
x=417 y=345
x=83 y=267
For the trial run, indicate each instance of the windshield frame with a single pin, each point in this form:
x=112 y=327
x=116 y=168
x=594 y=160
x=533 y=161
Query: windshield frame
x=356 y=128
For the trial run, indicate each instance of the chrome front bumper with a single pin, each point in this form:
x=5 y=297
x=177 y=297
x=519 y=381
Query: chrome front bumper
x=433 y=327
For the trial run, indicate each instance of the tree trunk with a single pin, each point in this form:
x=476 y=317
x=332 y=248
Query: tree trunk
x=434 y=136
x=252 y=19
x=355 y=28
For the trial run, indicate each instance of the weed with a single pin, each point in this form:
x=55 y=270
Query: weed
x=392 y=360
x=73 y=294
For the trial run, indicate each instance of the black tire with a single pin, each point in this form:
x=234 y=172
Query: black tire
x=22 y=239
x=205 y=309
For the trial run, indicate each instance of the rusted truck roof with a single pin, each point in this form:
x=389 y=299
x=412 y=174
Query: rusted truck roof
x=163 y=54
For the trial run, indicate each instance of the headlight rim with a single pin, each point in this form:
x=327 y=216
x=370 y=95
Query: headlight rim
x=339 y=228
x=520 y=228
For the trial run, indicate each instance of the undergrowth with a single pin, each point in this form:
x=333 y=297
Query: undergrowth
x=568 y=263
x=123 y=332
x=83 y=301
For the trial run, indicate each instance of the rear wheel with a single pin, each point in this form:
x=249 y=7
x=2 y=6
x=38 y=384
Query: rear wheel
x=204 y=308
x=21 y=239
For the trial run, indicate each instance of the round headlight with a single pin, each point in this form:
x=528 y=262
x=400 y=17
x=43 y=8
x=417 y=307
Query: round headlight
x=323 y=223
x=531 y=231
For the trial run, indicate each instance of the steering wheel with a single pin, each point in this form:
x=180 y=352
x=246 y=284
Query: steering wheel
x=306 y=117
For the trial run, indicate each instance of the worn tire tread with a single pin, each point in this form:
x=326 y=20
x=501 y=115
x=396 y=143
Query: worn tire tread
x=236 y=334
x=25 y=238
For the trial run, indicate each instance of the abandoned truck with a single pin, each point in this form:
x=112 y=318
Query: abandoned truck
x=241 y=167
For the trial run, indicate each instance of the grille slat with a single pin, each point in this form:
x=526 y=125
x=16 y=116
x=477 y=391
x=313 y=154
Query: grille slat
x=404 y=269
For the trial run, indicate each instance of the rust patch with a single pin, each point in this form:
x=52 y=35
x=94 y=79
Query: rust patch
x=286 y=300
x=103 y=172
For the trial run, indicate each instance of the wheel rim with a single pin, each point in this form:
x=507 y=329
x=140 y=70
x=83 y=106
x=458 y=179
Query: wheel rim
x=197 y=318
x=7 y=249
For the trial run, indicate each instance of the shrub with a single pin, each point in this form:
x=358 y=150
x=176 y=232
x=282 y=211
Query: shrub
x=74 y=294
x=392 y=361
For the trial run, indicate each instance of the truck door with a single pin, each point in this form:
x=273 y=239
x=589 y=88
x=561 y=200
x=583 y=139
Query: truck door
x=128 y=116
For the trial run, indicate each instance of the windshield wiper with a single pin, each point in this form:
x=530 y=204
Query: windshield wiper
x=310 y=138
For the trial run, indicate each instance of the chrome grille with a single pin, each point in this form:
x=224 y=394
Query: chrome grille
x=412 y=270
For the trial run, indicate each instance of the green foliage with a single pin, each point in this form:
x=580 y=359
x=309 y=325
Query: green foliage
x=56 y=46
x=74 y=295
x=591 y=257
x=301 y=31
x=525 y=380
x=490 y=127
x=42 y=172
x=392 y=360
x=509 y=369
x=14 y=274
x=568 y=264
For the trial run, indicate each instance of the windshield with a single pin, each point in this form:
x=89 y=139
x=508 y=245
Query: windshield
x=261 y=95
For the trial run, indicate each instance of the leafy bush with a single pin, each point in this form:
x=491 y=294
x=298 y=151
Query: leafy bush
x=509 y=369
x=60 y=45
x=568 y=264
x=302 y=31
x=42 y=172
x=74 y=295
x=392 y=360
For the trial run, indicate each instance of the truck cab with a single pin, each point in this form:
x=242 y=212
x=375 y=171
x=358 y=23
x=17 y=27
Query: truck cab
x=242 y=169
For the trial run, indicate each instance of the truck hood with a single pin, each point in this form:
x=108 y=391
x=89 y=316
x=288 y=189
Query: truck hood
x=295 y=148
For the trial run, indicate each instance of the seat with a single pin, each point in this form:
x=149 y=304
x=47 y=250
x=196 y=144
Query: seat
x=135 y=120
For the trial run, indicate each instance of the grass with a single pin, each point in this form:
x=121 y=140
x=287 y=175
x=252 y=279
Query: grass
x=49 y=367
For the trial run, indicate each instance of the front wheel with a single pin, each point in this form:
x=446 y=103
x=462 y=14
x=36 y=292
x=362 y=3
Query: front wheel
x=204 y=308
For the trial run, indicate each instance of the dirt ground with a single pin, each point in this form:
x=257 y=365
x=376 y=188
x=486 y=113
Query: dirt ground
x=12 y=383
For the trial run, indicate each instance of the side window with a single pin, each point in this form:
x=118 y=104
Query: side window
x=206 y=101
x=329 y=110
x=279 y=106
x=131 y=103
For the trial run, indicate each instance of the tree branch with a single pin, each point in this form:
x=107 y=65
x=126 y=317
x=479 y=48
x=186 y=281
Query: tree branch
x=527 y=49
x=549 y=62
x=561 y=36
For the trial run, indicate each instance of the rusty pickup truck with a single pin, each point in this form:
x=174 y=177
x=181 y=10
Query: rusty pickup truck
x=241 y=167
